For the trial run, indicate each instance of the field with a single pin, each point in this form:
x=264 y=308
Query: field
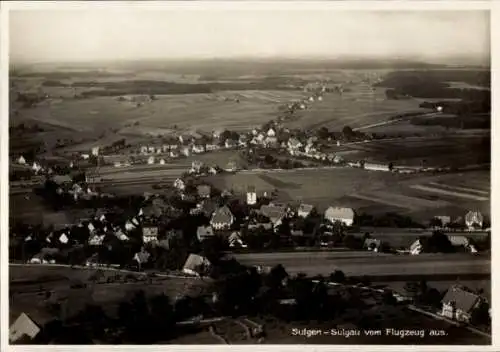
x=370 y=191
x=29 y=283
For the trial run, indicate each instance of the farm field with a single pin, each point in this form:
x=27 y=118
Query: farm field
x=28 y=283
x=356 y=108
x=366 y=191
x=434 y=151
x=372 y=264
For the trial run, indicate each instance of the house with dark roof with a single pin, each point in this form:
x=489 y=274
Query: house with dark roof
x=305 y=210
x=222 y=218
x=343 y=215
x=372 y=244
x=459 y=303
x=275 y=213
x=149 y=234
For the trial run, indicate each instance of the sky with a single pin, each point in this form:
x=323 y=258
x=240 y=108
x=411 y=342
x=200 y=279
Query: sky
x=123 y=34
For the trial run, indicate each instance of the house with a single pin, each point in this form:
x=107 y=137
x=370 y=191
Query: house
x=204 y=191
x=63 y=238
x=271 y=141
x=120 y=235
x=62 y=179
x=305 y=210
x=196 y=265
x=151 y=160
x=243 y=140
x=162 y=161
x=151 y=150
x=416 y=247
x=343 y=215
x=229 y=143
x=96 y=240
x=271 y=132
x=131 y=225
x=21 y=160
x=27 y=327
x=372 y=244
x=141 y=257
x=459 y=303
x=204 y=232
x=293 y=145
x=185 y=151
x=377 y=167
x=275 y=213
x=173 y=154
x=149 y=234
x=212 y=170
x=196 y=166
x=251 y=196
x=36 y=167
x=222 y=218
x=235 y=241
x=198 y=148
x=231 y=167
x=211 y=147
x=85 y=156
x=144 y=150
x=95 y=151
x=473 y=219
x=445 y=220
x=179 y=184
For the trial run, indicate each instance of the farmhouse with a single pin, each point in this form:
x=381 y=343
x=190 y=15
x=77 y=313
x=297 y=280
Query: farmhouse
x=196 y=265
x=222 y=218
x=473 y=219
x=305 y=210
x=343 y=215
x=459 y=303
x=204 y=232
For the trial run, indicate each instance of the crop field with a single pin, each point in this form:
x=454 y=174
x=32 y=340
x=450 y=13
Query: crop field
x=357 y=108
x=429 y=151
x=371 y=264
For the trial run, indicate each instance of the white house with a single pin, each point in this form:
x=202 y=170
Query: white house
x=251 y=196
x=95 y=151
x=151 y=150
x=196 y=265
x=198 y=148
x=63 y=238
x=222 y=218
x=343 y=215
x=162 y=161
x=144 y=149
x=185 y=151
x=151 y=160
x=204 y=232
x=271 y=132
x=120 y=235
x=36 y=167
x=377 y=167
x=23 y=326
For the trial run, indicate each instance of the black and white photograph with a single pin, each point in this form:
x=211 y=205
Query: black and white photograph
x=197 y=173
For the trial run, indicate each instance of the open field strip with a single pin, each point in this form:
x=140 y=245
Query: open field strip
x=458 y=188
x=399 y=200
x=450 y=193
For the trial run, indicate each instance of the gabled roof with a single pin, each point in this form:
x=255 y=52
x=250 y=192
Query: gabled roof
x=24 y=325
x=463 y=299
x=194 y=261
x=457 y=240
x=203 y=190
x=222 y=215
x=306 y=208
x=204 y=232
x=273 y=212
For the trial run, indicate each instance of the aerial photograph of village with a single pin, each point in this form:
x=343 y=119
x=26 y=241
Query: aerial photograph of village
x=284 y=177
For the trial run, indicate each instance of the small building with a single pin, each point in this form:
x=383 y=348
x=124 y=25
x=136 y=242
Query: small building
x=229 y=143
x=151 y=160
x=149 y=234
x=186 y=151
x=416 y=247
x=372 y=244
x=251 y=196
x=235 y=241
x=26 y=327
x=473 y=219
x=305 y=210
x=445 y=220
x=96 y=240
x=204 y=232
x=271 y=141
x=196 y=265
x=271 y=132
x=179 y=184
x=198 y=148
x=144 y=149
x=204 y=191
x=459 y=303
x=21 y=160
x=222 y=218
x=343 y=215
x=377 y=167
